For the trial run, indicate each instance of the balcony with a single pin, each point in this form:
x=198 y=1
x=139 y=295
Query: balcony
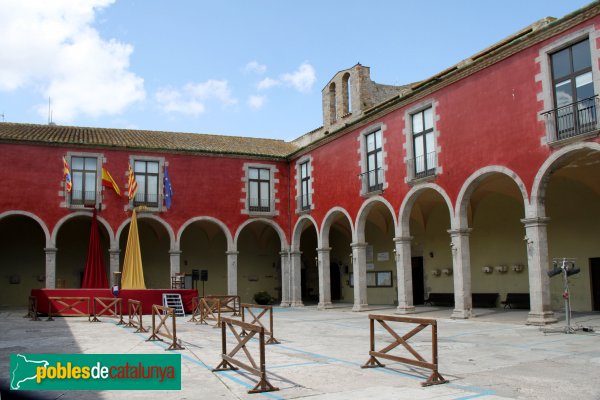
x=261 y=205
x=83 y=198
x=372 y=181
x=303 y=202
x=422 y=166
x=146 y=199
x=572 y=120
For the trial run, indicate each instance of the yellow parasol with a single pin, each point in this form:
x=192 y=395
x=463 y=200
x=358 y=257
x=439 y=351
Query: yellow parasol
x=133 y=272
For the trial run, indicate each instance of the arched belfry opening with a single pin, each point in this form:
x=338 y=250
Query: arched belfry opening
x=346 y=94
x=332 y=103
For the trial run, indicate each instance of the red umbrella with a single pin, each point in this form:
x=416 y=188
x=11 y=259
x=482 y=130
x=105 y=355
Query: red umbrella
x=95 y=270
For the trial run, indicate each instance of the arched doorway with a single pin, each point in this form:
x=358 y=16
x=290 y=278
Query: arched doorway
x=22 y=258
x=305 y=240
x=337 y=235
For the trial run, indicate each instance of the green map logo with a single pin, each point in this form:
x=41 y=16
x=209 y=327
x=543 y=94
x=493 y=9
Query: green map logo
x=95 y=371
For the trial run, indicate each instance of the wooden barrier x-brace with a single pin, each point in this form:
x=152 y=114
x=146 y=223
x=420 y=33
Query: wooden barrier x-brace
x=435 y=378
x=256 y=319
x=230 y=363
x=68 y=303
x=32 y=312
x=163 y=313
x=112 y=308
x=135 y=316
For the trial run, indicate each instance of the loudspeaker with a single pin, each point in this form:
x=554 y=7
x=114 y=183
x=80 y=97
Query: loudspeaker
x=203 y=275
x=195 y=274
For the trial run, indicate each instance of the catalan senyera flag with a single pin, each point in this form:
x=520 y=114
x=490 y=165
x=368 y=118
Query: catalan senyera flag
x=132 y=184
x=67 y=176
x=109 y=182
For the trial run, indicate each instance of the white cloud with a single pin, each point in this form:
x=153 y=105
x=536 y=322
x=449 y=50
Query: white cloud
x=256 y=102
x=54 y=48
x=192 y=98
x=267 y=83
x=254 y=66
x=302 y=79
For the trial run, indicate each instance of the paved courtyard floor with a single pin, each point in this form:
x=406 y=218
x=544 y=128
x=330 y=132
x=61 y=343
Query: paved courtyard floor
x=492 y=356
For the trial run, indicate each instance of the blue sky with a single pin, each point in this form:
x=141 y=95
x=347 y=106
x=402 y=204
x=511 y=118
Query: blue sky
x=243 y=68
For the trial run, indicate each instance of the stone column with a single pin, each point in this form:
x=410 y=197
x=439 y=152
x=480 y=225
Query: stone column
x=285 y=279
x=50 y=267
x=175 y=256
x=296 y=279
x=114 y=265
x=324 y=278
x=404 y=274
x=461 y=265
x=232 y=278
x=359 y=269
x=537 y=264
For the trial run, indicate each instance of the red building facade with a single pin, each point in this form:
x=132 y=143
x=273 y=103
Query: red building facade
x=469 y=183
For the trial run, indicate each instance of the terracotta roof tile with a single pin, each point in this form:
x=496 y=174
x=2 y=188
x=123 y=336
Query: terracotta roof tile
x=151 y=140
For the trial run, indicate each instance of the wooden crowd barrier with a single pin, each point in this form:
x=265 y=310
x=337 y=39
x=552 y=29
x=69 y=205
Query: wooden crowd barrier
x=112 y=307
x=230 y=363
x=210 y=310
x=435 y=378
x=32 y=312
x=196 y=310
x=68 y=303
x=228 y=303
x=135 y=316
x=163 y=313
x=256 y=319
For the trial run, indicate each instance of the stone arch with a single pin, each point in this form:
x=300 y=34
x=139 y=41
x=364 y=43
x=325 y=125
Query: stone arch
x=173 y=243
x=267 y=221
x=222 y=225
x=297 y=233
x=49 y=242
x=540 y=182
x=459 y=220
x=346 y=94
x=361 y=218
x=409 y=200
x=328 y=221
x=101 y=220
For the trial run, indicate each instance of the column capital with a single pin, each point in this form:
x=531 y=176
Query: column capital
x=459 y=232
x=535 y=221
x=324 y=249
x=403 y=239
x=50 y=249
x=359 y=245
x=232 y=252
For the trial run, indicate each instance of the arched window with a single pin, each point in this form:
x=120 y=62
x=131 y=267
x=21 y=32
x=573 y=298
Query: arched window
x=347 y=98
x=332 y=103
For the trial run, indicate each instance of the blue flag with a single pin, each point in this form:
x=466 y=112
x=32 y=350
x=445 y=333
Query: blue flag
x=168 y=189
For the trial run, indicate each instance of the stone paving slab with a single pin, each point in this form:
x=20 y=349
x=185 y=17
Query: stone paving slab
x=493 y=356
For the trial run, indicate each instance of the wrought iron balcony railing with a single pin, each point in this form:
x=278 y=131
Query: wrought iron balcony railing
x=573 y=119
x=79 y=197
x=261 y=205
x=146 y=199
x=422 y=166
x=372 y=181
x=303 y=202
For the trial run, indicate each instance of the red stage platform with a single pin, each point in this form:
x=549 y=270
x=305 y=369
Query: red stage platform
x=148 y=297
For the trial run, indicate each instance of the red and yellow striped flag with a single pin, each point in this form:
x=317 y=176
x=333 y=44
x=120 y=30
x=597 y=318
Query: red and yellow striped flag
x=132 y=184
x=67 y=176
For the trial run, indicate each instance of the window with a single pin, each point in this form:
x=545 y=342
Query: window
x=84 y=175
x=147 y=177
x=304 y=199
x=374 y=174
x=424 y=162
x=573 y=90
x=259 y=189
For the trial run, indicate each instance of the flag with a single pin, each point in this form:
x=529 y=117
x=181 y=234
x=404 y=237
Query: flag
x=168 y=189
x=109 y=182
x=67 y=176
x=132 y=184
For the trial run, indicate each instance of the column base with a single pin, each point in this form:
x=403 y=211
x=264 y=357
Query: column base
x=285 y=304
x=405 y=310
x=462 y=314
x=544 y=318
x=323 y=306
x=360 y=307
x=296 y=304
